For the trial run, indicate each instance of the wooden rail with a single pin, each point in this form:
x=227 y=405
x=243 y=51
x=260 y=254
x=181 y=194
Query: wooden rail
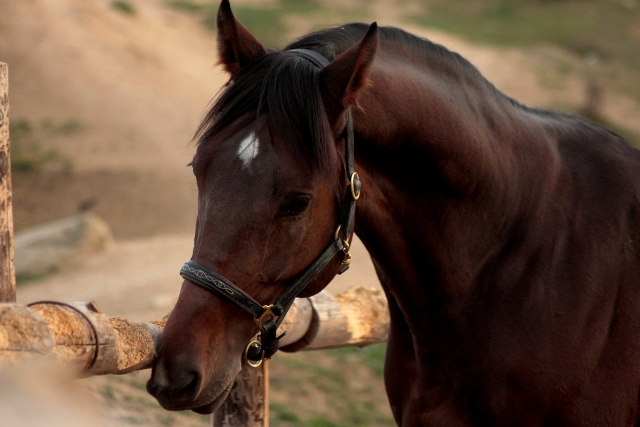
x=81 y=334
x=7 y=269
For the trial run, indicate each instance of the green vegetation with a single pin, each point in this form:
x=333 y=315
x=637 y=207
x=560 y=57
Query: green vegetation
x=27 y=152
x=329 y=388
x=595 y=27
x=136 y=406
x=26 y=279
x=187 y=6
x=371 y=356
x=605 y=33
x=123 y=6
x=268 y=23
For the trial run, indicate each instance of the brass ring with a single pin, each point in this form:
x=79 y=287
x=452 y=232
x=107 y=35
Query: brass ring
x=355 y=195
x=246 y=353
x=336 y=235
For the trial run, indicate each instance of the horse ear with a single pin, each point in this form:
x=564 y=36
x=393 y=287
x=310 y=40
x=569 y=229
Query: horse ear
x=236 y=45
x=343 y=78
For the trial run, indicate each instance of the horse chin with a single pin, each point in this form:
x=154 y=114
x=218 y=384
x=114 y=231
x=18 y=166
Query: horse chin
x=211 y=407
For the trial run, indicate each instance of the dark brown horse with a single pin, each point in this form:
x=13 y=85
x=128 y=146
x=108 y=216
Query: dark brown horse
x=507 y=239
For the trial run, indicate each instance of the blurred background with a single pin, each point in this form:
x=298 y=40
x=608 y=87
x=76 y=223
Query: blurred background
x=106 y=95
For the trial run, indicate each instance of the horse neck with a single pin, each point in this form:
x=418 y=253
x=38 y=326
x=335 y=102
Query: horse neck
x=445 y=159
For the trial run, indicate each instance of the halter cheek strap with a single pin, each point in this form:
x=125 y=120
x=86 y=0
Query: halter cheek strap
x=269 y=317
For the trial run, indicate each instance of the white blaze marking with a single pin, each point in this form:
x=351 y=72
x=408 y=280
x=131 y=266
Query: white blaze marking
x=248 y=149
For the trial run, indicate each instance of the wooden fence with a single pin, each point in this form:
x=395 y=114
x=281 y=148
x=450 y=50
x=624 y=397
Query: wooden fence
x=81 y=334
x=7 y=269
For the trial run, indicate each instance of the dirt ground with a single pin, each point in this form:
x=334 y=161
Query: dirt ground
x=138 y=85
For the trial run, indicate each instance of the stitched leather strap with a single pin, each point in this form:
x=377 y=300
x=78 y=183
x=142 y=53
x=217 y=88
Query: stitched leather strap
x=286 y=298
x=350 y=211
x=215 y=283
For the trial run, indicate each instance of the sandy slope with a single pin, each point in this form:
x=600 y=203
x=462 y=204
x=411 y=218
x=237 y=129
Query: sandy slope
x=140 y=83
x=138 y=86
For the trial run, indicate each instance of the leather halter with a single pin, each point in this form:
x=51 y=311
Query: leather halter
x=269 y=317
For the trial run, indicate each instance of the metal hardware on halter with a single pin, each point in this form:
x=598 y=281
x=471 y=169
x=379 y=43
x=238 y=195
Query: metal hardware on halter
x=245 y=355
x=355 y=185
x=346 y=260
x=263 y=347
x=268 y=311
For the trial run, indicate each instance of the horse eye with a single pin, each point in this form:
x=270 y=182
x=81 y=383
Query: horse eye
x=296 y=205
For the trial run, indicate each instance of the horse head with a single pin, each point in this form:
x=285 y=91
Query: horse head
x=270 y=171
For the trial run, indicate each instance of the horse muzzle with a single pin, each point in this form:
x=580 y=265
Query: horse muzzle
x=175 y=389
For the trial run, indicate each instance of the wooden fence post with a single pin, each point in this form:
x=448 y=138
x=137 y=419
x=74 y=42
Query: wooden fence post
x=7 y=269
x=248 y=402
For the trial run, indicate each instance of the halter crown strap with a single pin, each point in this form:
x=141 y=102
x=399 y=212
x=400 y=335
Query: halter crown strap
x=310 y=55
x=269 y=317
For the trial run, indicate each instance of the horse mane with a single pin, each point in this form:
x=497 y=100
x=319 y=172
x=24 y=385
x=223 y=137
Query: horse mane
x=285 y=88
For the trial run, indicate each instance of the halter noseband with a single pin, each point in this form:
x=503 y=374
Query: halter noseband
x=269 y=317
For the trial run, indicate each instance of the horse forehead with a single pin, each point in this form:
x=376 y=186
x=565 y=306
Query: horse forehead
x=238 y=152
x=253 y=160
x=249 y=148
x=257 y=153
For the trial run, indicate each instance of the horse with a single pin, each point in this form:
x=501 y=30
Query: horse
x=506 y=238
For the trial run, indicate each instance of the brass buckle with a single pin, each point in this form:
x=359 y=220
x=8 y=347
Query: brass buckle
x=355 y=195
x=245 y=355
x=347 y=256
x=345 y=246
x=267 y=314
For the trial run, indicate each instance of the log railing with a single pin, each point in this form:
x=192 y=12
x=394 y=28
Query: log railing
x=81 y=334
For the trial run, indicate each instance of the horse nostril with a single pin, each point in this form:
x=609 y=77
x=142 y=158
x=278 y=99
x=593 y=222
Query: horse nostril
x=182 y=384
x=153 y=388
x=193 y=387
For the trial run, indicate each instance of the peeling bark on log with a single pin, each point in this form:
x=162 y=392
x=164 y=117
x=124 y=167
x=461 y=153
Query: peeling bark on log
x=23 y=333
x=136 y=344
x=359 y=316
x=297 y=322
x=248 y=402
x=71 y=330
x=82 y=334
x=367 y=313
x=7 y=269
